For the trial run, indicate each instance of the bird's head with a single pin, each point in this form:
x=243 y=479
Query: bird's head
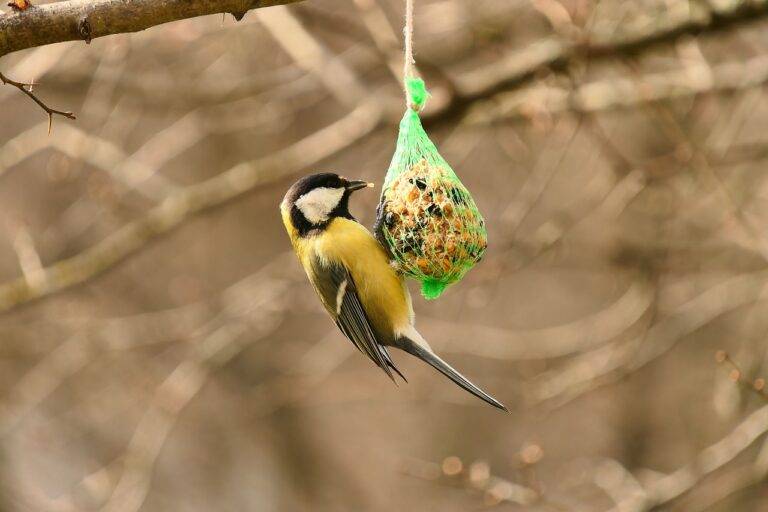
x=313 y=201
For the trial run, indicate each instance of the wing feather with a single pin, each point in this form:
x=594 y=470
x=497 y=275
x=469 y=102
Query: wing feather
x=338 y=293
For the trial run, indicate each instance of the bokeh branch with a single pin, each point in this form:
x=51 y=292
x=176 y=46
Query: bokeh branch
x=523 y=66
x=616 y=149
x=623 y=93
x=189 y=201
x=711 y=459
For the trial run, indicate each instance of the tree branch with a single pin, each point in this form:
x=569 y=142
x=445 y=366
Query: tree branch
x=85 y=20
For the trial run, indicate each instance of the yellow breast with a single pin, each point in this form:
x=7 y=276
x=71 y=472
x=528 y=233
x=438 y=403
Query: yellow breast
x=382 y=291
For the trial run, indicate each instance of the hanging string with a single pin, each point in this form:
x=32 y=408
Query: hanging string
x=415 y=91
x=408 y=33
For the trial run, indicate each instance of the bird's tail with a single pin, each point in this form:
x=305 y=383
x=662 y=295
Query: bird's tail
x=429 y=357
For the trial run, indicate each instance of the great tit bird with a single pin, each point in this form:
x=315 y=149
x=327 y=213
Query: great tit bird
x=351 y=273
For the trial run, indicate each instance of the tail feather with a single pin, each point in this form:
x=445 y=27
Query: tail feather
x=429 y=357
x=391 y=364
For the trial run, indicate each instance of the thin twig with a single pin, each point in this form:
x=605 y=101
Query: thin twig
x=27 y=88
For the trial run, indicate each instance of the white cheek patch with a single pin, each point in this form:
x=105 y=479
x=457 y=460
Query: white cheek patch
x=317 y=204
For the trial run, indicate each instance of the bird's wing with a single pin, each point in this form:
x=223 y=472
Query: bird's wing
x=338 y=292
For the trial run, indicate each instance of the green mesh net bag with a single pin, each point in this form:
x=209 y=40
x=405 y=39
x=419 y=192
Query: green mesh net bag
x=426 y=217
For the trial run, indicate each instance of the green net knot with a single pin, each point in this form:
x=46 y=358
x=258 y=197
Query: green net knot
x=417 y=92
x=432 y=289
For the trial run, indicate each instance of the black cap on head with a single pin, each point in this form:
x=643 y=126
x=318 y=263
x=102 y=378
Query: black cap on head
x=311 y=182
x=307 y=209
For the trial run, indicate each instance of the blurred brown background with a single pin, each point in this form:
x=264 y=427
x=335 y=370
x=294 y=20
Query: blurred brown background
x=178 y=360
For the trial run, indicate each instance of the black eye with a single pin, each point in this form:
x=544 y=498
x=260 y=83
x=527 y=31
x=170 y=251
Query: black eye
x=334 y=182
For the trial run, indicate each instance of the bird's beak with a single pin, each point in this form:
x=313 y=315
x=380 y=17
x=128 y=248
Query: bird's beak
x=357 y=185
